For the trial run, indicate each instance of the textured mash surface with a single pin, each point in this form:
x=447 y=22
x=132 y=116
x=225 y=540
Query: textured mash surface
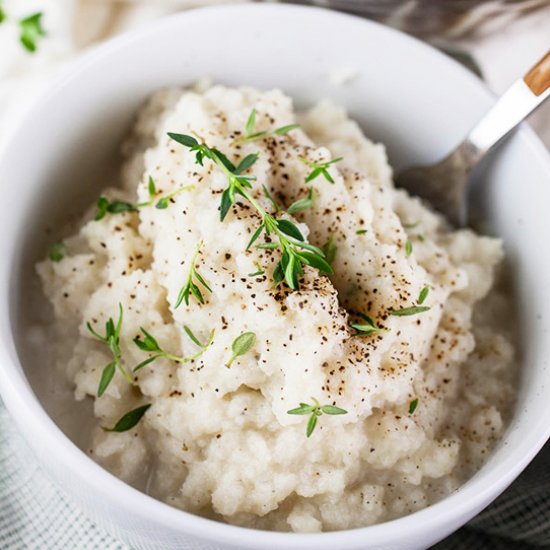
x=218 y=441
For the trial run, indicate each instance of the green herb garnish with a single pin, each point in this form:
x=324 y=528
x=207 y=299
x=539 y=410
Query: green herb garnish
x=104 y=206
x=129 y=420
x=270 y=198
x=412 y=405
x=150 y=344
x=315 y=411
x=57 y=251
x=112 y=340
x=361 y=231
x=329 y=250
x=414 y=310
x=2 y=15
x=410 y=225
x=190 y=286
x=369 y=327
x=423 y=294
x=195 y=340
x=164 y=202
x=295 y=251
x=241 y=346
x=301 y=204
x=30 y=31
x=408 y=248
x=250 y=135
x=319 y=169
x=259 y=271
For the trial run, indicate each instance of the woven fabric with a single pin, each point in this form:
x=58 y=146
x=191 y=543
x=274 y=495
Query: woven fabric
x=34 y=514
x=518 y=520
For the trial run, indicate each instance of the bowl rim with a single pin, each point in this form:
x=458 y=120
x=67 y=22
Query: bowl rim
x=20 y=398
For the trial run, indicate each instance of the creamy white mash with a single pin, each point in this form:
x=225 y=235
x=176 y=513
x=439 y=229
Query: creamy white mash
x=425 y=398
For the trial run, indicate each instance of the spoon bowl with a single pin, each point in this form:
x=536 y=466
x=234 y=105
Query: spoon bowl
x=444 y=184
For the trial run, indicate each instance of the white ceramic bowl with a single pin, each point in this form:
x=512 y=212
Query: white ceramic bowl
x=414 y=99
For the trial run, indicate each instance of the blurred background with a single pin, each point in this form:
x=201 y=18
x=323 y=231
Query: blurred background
x=497 y=39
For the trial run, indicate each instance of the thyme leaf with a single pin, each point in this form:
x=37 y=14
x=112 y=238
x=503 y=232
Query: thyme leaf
x=366 y=328
x=271 y=199
x=57 y=251
x=423 y=294
x=191 y=287
x=301 y=204
x=250 y=135
x=112 y=341
x=241 y=346
x=164 y=202
x=412 y=405
x=315 y=411
x=259 y=271
x=30 y=31
x=319 y=168
x=329 y=250
x=129 y=420
x=414 y=310
x=104 y=206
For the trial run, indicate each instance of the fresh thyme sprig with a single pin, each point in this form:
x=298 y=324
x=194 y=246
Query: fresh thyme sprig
x=320 y=168
x=241 y=346
x=57 y=251
x=129 y=420
x=112 y=340
x=295 y=251
x=250 y=135
x=164 y=201
x=190 y=287
x=105 y=206
x=150 y=344
x=369 y=327
x=315 y=411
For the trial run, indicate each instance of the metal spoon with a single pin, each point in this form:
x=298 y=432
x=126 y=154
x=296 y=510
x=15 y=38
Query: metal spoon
x=444 y=184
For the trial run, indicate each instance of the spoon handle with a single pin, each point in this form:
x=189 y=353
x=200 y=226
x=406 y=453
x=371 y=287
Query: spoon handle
x=538 y=78
x=525 y=95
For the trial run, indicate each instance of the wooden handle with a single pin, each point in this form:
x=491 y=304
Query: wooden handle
x=538 y=78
